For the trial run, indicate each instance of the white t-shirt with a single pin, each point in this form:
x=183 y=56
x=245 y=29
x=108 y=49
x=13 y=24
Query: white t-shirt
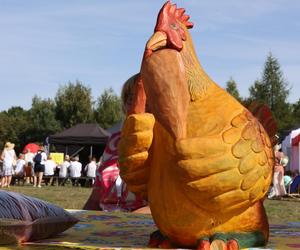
x=29 y=157
x=50 y=166
x=63 y=171
x=75 y=169
x=20 y=166
x=8 y=157
x=44 y=158
x=90 y=169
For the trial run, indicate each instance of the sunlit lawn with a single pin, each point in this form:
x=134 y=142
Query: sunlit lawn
x=64 y=196
x=282 y=211
x=278 y=211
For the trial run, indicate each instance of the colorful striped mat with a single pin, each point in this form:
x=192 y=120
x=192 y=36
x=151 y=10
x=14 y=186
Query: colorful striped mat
x=100 y=230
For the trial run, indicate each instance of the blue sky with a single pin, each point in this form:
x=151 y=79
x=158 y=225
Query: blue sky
x=45 y=44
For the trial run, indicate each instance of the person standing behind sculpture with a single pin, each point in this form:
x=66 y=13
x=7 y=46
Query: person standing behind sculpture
x=63 y=170
x=110 y=192
x=39 y=167
x=278 y=178
x=9 y=160
x=75 y=170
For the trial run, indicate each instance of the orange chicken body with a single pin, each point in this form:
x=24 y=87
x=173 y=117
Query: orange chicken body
x=201 y=159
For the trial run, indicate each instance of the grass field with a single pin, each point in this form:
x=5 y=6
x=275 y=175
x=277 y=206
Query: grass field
x=279 y=211
x=63 y=196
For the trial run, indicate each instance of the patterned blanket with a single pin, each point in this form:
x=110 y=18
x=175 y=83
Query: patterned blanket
x=100 y=230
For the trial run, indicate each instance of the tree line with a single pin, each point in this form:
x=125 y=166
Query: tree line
x=273 y=90
x=72 y=104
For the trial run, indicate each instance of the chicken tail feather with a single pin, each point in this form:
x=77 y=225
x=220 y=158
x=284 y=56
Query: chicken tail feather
x=264 y=115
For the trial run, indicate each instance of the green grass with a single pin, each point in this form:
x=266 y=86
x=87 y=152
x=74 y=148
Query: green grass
x=279 y=211
x=64 y=196
x=282 y=211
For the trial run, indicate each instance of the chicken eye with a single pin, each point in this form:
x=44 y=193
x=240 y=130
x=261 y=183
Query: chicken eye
x=174 y=26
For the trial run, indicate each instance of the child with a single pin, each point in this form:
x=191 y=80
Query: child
x=110 y=191
x=28 y=171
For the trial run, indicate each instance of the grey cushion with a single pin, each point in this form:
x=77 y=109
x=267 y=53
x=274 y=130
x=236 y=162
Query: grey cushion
x=24 y=218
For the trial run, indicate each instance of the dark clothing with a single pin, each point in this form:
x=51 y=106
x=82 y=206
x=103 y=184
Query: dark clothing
x=295 y=185
x=39 y=168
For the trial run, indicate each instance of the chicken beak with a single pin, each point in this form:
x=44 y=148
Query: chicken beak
x=157 y=41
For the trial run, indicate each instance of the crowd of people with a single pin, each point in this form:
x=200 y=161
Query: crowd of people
x=33 y=168
x=282 y=179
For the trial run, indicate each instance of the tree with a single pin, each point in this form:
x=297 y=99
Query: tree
x=296 y=113
x=20 y=121
x=73 y=104
x=7 y=132
x=108 y=110
x=232 y=89
x=273 y=90
x=259 y=92
x=13 y=126
x=42 y=119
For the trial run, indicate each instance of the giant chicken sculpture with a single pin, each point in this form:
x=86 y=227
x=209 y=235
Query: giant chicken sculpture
x=201 y=159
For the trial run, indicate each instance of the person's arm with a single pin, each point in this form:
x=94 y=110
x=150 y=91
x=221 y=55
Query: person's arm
x=45 y=157
x=2 y=155
x=23 y=166
x=81 y=174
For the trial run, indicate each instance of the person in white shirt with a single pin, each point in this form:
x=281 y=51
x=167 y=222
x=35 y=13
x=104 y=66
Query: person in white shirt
x=75 y=170
x=29 y=156
x=50 y=167
x=20 y=168
x=63 y=170
x=8 y=157
x=90 y=169
x=44 y=157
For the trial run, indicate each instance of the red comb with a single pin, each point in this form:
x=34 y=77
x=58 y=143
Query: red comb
x=170 y=10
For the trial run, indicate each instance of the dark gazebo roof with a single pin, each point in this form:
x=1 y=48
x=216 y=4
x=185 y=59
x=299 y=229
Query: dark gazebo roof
x=81 y=134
